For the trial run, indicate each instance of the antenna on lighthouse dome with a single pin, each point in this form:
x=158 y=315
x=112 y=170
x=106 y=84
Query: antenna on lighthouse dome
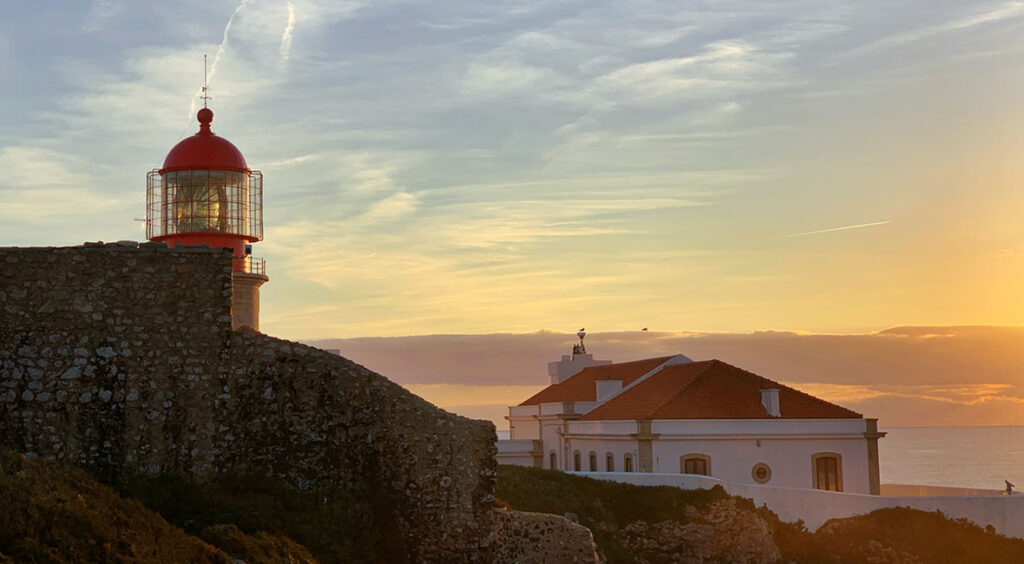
x=206 y=83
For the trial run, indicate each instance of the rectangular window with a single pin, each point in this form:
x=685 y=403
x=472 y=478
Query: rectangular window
x=695 y=466
x=827 y=469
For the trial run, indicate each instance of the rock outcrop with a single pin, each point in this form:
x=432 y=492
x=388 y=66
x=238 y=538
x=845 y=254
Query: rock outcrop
x=540 y=538
x=720 y=532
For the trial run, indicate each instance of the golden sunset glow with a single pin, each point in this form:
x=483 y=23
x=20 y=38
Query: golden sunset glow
x=723 y=168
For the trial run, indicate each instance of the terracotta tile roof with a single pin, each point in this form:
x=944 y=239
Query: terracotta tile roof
x=711 y=389
x=581 y=387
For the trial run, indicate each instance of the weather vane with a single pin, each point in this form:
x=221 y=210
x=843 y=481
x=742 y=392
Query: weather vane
x=206 y=83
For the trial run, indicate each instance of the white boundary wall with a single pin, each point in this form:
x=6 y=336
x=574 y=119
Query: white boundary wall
x=1005 y=513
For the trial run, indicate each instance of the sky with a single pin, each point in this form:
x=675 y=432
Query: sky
x=481 y=167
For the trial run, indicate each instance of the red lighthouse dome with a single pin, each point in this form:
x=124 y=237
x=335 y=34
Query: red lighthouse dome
x=206 y=194
x=205 y=150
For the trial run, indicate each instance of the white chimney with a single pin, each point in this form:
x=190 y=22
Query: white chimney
x=607 y=388
x=770 y=401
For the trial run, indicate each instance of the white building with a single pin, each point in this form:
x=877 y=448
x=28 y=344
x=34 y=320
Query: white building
x=674 y=415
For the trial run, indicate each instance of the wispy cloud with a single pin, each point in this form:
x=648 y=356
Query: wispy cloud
x=39 y=184
x=99 y=13
x=394 y=207
x=723 y=68
x=834 y=229
x=965 y=394
x=286 y=35
x=1005 y=11
x=526 y=166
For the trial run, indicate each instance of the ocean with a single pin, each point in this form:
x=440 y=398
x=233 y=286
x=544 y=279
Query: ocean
x=969 y=457
x=966 y=457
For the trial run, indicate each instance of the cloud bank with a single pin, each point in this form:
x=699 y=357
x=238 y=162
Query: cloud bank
x=904 y=376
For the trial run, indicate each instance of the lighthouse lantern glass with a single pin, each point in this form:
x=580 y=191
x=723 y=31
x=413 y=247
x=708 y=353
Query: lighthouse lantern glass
x=201 y=201
x=205 y=201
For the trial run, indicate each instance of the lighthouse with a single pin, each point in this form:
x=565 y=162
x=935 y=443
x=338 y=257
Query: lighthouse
x=206 y=194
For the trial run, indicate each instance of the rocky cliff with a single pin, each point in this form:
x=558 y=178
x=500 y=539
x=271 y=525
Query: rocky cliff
x=120 y=359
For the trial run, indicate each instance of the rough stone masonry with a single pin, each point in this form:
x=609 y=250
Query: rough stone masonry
x=120 y=358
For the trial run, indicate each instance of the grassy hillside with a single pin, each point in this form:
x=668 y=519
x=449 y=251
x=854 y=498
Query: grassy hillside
x=611 y=511
x=55 y=514
x=344 y=526
x=903 y=534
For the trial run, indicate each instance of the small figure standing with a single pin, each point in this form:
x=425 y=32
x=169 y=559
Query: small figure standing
x=1009 y=487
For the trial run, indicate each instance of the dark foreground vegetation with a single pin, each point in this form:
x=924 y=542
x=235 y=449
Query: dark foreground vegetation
x=712 y=524
x=55 y=514
x=347 y=526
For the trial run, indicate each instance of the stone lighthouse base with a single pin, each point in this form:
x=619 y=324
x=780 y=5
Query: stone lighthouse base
x=245 y=299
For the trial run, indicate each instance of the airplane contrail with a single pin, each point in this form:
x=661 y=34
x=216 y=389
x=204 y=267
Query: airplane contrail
x=843 y=228
x=286 y=37
x=216 y=58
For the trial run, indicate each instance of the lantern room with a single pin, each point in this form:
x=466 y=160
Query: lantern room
x=206 y=194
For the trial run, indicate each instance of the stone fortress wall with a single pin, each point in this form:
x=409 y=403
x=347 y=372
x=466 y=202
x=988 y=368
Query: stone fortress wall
x=120 y=358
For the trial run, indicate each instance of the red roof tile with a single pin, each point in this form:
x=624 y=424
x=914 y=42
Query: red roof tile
x=711 y=389
x=581 y=387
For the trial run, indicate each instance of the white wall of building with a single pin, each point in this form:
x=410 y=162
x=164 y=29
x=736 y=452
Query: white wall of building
x=522 y=422
x=520 y=452
x=523 y=411
x=790 y=461
x=762 y=427
x=601 y=428
x=735 y=446
x=619 y=448
x=551 y=434
x=815 y=507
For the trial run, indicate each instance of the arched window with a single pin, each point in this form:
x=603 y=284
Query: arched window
x=695 y=463
x=609 y=462
x=627 y=463
x=576 y=464
x=827 y=468
x=593 y=461
x=554 y=461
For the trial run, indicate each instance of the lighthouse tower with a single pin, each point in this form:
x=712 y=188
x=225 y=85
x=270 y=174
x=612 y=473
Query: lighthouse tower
x=205 y=193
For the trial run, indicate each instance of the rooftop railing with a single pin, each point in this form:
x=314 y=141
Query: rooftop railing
x=253 y=265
